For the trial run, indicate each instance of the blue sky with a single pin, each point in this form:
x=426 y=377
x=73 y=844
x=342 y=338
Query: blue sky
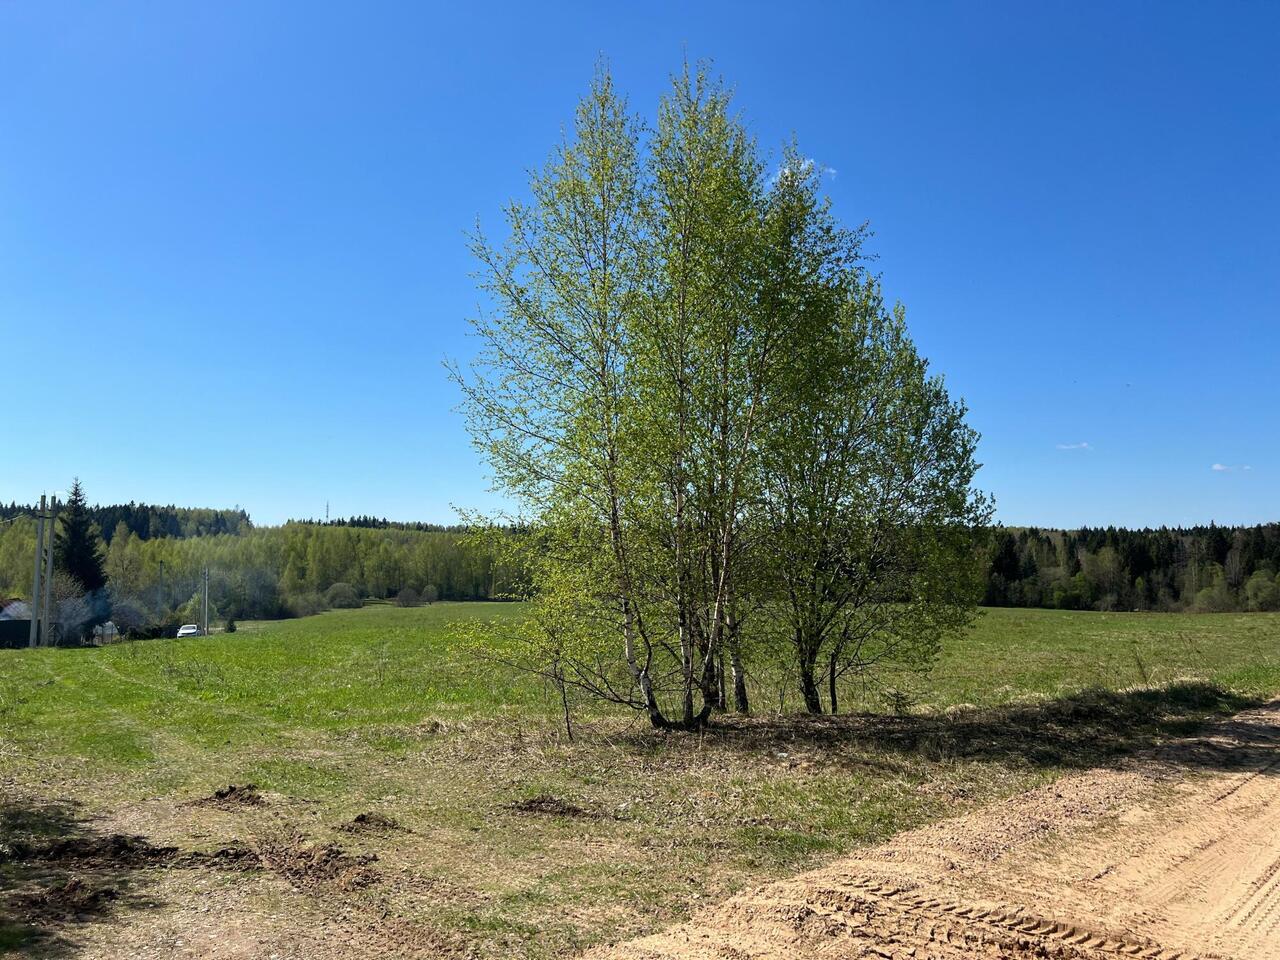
x=232 y=234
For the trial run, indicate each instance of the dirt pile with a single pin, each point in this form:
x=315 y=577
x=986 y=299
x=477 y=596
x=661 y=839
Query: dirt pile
x=73 y=900
x=548 y=805
x=308 y=864
x=370 y=823
x=111 y=850
x=233 y=795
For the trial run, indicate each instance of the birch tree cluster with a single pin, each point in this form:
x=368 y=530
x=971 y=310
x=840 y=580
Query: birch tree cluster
x=727 y=451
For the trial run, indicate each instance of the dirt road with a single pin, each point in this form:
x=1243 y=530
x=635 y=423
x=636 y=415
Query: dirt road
x=1176 y=855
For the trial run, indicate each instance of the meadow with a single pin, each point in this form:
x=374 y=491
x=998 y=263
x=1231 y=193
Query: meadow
x=498 y=836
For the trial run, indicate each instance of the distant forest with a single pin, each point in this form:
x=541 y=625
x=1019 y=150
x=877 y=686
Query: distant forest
x=149 y=522
x=1200 y=569
x=153 y=556
x=382 y=523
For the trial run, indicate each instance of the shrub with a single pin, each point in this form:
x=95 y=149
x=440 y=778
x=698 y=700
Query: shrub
x=231 y=625
x=408 y=597
x=1216 y=598
x=303 y=604
x=1263 y=591
x=343 y=596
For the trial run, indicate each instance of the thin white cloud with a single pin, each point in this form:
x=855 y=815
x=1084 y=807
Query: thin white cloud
x=1229 y=468
x=1082 y=445
x=806 y=166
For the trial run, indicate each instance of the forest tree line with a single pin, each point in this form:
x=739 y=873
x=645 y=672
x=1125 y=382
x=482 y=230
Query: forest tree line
x=369 y=522
x=1205 y=569
x=268 y=572
x=152 y=584
x=149 y=521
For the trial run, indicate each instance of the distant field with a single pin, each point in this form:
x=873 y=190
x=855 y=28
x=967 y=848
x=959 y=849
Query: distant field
x=372 y=710
x=1013 y=653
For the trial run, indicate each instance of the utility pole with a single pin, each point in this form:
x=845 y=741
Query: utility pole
x=35 y=578
x=47 y=639
x=206 y=600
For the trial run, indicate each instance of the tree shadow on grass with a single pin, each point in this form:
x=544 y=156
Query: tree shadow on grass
x=1088 y=729
x=57 y=874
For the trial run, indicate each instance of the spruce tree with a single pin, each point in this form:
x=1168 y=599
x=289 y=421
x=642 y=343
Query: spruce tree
x=75 y=545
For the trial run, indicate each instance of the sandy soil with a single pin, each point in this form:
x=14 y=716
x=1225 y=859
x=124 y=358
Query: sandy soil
x=1176 y=855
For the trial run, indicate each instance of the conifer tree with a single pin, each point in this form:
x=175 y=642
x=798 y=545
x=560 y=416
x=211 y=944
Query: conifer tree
x=75 y=545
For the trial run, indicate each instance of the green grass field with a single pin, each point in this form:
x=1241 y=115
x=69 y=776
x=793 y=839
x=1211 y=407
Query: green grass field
x=376 y=710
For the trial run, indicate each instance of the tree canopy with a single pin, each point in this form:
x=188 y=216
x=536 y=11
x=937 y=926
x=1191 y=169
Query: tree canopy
x=722 y=440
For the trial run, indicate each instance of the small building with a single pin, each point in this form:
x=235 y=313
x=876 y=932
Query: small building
x=15 y=623
x=105 y=633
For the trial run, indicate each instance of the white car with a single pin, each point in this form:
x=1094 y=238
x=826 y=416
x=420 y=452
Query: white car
x=188 y=630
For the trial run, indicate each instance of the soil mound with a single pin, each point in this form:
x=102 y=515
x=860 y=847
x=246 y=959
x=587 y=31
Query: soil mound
x=370 y=823
x=111 y=850
x=308 y=864
x=74 y=899
x=548 y=805
x=233 y=795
